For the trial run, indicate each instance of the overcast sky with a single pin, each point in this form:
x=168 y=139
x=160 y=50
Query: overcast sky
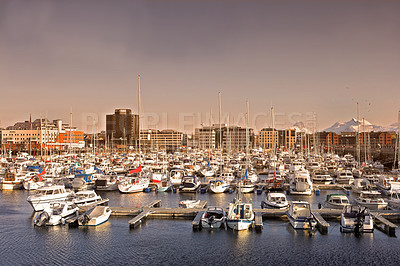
x=303 y=57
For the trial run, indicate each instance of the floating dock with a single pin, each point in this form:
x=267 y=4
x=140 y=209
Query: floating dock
x=153 y=210
x=384 y=225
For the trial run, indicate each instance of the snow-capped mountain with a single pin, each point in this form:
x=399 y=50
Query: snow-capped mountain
x=354 y=125
x=301 y=127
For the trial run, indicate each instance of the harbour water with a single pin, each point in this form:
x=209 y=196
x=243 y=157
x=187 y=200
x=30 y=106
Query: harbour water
x=172 y=241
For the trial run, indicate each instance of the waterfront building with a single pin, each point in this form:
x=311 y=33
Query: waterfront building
x=286 y=138
x=122 y=128
x=233 y=138
x=169 y=139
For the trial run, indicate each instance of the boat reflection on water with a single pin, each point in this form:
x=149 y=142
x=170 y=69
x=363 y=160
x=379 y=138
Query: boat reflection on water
x=300 y=233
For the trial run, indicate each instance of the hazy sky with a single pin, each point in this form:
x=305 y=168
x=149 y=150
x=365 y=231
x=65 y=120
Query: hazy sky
x=301 y=56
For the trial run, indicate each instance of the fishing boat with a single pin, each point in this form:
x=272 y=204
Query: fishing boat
x=300 y=216
x=356 y=219
x=48 y=194
x=55 y=213
x=275 y=200
x=95 y=216
x=336 y=201
x=213 y=217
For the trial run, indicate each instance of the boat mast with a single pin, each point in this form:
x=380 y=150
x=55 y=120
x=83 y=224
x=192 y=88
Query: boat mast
x=365 y=144
x=220 y=131
x=358 y=137
x=273 y=138
x=139 y=116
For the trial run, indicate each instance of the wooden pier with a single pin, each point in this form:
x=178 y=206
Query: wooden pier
x=196 y=223
x=258 y=221
x=322 y=225
x=384 y=225
x=138 y=219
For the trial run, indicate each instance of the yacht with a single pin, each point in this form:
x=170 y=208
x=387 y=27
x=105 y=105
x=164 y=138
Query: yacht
x=356 y=219
x=300 y=183
x=321 y=177
x=344 y=177
x=372 y=200
x=300 y=216
x=213 y=217
x=275 y=201
x=47 y=194
x=189 y=184
x=87 y=198
x=336 y=201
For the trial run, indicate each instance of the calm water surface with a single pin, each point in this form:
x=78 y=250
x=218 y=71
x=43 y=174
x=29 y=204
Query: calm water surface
x=167 y=241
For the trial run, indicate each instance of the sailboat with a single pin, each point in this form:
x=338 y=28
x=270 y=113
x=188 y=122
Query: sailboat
x=240 y=214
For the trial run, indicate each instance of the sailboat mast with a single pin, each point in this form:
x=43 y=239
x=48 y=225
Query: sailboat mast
x=138 y=99
x=220 y=130
x=358 y=137
x=247 y=134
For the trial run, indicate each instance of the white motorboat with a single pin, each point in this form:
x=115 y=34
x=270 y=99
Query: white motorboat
x=219 y=186
x=95 y=216
x=164 y=186
x=300 y=216
x=47 y=194
x=189 y=184
x=356 y=219
x=107 y=183
x=344 y=177
x=87 y=198
x=176 y=176
x=189 y=204
x=372 y=200
x=321 y=177
x=133 y=185
x=246 y=186
x=213 y=217
x=10 y=182
x=240 y=215
x=336 y=201
x=300 y=183
x=56 y=213
x=394 y=200
x=360 y=184
x=33 y=183
x=275 y=201
x=158 y=174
